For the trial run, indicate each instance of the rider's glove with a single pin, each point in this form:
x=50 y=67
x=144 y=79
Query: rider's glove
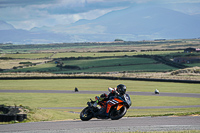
x=101 y=99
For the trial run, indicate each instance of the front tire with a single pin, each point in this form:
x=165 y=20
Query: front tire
x=86 y=114
x=117 y=114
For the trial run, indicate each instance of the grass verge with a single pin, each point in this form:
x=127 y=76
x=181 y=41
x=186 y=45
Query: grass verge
x=163 y=112
x=37 y=100
x=187 y=131
x=98 y=85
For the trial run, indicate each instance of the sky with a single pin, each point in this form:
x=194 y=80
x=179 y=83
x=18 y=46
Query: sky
x=27 y=14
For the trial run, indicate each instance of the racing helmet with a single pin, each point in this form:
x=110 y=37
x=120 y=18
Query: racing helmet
x=121 y=89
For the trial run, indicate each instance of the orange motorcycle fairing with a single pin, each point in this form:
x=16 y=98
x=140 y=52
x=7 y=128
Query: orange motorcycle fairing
x=119 y=106
x=112 y=102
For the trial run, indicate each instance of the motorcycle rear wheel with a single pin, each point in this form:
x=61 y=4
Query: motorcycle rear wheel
x=117 y=114
x=86 y=114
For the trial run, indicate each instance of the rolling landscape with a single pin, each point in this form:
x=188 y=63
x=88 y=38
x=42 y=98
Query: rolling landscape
x=143 y=45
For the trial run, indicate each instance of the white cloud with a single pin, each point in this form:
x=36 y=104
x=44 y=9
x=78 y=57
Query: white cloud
x=179 y=1
x=23 y=14
x=30 y=16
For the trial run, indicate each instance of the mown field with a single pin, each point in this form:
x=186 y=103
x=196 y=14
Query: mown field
x=97 y=85
x=112 y=64
x=92 y=61
x=85 y=54
x=101 y=54
x=39 y=100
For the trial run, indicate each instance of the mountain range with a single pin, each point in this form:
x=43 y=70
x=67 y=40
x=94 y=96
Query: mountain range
x=130 y=24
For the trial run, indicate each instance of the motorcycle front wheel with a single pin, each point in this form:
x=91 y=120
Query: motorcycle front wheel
x=86 y=114
x=117 y=114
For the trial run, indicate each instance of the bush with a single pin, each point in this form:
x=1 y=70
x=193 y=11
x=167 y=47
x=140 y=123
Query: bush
x=71 y=67
x=15 y=67
x=25 y=62
x=118 y=40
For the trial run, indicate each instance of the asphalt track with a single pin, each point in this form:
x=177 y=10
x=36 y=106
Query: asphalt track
x=123 y=125
x=100 y=92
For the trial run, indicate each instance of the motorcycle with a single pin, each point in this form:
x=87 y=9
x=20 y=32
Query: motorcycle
x=116 y=108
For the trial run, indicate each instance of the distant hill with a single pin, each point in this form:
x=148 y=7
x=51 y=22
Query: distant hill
x=134 y=23
x=150 y=22
x=5 y=26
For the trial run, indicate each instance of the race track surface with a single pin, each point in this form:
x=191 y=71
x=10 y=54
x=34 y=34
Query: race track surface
x=100 y=92
x=95 y=125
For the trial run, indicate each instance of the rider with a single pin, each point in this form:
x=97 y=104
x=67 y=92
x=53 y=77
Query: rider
x=114 y=92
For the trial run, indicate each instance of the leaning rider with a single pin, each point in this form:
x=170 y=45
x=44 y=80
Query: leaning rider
x=114 y=92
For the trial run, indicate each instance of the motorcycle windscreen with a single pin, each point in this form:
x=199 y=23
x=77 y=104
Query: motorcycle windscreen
x=127 y=99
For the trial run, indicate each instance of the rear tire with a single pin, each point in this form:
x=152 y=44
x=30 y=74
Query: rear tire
x=86 y=114
x=117 y=114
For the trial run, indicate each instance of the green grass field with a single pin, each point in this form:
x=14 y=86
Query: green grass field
x=101 y=54
x=143 y=68
x=38 y=100
x=85 y=54
x=101 y=65
x=96 y=65
x=181 y=131
x=185 y=131
x=97 y=85
x=108 y=62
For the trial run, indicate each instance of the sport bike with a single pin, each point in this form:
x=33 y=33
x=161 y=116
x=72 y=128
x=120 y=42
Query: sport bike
x=116 y=108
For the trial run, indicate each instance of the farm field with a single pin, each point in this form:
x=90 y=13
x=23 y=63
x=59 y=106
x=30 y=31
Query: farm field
x=101 y=54
x=28 y=55
x=94 y=61
x=101 y=46
x=83 y=54
x=98 y=57
x=51 y=67
x=9 y=64
x=132 y=66
x=99 y=65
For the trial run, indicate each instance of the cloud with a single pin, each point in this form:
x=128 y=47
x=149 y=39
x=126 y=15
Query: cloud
x=26 y=14
x=14 y=3
x=81 y=6
x=181 y=1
